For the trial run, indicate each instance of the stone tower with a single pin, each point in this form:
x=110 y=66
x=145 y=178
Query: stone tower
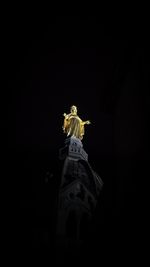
x=78 y=193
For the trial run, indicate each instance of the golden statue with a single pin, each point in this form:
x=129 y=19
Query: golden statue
x=73 y=125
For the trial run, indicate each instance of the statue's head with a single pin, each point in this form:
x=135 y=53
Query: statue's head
x=73 y=109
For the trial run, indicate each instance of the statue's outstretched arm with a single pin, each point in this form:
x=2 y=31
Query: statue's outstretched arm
x=86 y=122
x=65 y=124
x=66 y=116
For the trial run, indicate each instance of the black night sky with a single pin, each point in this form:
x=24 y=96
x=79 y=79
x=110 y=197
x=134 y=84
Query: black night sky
x=102 y=68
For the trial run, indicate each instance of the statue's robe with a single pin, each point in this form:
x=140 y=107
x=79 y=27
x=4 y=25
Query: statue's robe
x=73 y=126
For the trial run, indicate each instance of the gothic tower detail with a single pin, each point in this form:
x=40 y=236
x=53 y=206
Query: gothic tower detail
x=79 y=189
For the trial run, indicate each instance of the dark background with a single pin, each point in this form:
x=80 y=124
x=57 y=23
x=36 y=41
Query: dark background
x=103 y=68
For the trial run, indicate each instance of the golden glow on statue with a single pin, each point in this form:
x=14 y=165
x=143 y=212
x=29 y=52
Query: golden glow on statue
x=73 y=125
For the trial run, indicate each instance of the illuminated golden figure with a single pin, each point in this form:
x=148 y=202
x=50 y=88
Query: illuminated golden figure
x=73 y=125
